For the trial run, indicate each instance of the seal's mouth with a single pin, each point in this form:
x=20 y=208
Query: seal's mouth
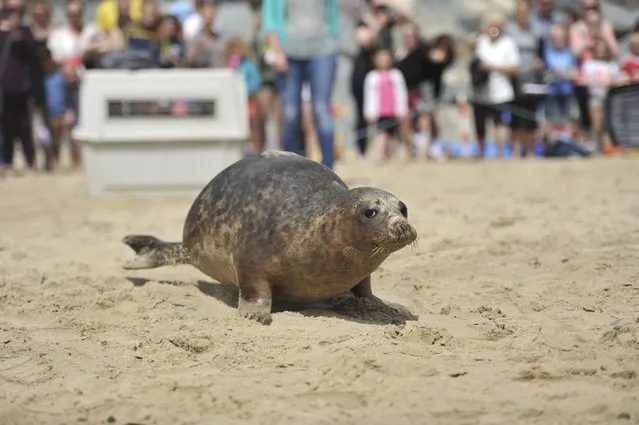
x=399 y=235
x=404 y=234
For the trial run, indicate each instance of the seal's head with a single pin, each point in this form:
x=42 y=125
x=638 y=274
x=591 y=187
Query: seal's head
x=381 y=224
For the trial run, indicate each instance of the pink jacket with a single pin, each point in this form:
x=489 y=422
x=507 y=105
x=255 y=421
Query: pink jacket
x=371 y=94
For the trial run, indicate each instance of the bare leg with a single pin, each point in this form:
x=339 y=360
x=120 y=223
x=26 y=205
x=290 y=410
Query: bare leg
x=528 y=140
x=515 y=141
x=406 y=134
x=255 y=300
x=501 y=135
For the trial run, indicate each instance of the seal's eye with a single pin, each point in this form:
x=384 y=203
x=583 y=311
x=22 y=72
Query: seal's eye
x=403 y=210
x=370 y=213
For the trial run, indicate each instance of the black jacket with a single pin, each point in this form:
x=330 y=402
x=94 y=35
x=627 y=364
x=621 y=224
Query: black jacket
x=23 y=73
x=417 y=68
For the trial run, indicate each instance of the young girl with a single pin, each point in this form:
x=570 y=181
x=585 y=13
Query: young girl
x=385 y=100
x=425 y=144
x=600 y=73
x=236 y=57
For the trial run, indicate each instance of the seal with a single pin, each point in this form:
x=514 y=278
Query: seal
x=283 y=227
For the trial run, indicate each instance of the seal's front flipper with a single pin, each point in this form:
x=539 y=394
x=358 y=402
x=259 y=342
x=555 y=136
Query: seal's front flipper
x=152 y=252
x=255 y=301
x=363 y=290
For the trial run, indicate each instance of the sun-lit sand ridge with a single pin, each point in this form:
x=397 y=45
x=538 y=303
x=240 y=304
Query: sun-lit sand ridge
x=526 y=281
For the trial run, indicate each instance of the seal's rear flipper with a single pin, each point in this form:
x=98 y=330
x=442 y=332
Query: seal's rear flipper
x=152 y=252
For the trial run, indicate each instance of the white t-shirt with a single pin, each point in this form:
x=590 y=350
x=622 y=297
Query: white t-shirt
x=193 y=25
x=600 y=76
x=503 y=52
x=65 y=44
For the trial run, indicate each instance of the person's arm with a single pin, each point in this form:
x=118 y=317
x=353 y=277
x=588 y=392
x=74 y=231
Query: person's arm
x=512 y=63
x=401 y=93
x=608 y=34
x=576 y=41
x=370 y=97
x=253 y=79
x=194 y=51
x=541 y=53
x=271 y=23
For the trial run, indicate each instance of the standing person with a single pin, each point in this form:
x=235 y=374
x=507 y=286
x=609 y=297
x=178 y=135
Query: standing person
x=205 y=49
x=530 y=44
x=41 y=27
x=373 y=29
x=268 y=97
x=142 y=35
x=544 y=17
x=236 y=57
x=582 y=41
x=600 y=72
x=69 y=41
x=385 y=101
x=113 y=14
x=562 y=68
x=420 y=62
x=170 y=46
x=498 y=57
x=195 y=22
x=305 y=50
x=20 y=65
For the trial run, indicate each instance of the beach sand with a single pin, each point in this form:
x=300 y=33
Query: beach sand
x=525 y=280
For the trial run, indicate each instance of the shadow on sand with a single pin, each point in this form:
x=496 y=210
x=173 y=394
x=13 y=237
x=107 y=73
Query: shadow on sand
x=346 y=307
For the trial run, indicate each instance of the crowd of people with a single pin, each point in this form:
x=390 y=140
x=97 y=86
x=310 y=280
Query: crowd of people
x=546 y=74
x=526 y=74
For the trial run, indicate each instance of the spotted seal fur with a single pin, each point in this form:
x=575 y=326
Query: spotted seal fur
x=280 y=226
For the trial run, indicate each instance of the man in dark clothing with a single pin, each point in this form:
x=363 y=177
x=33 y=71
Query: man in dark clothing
x=18 y=82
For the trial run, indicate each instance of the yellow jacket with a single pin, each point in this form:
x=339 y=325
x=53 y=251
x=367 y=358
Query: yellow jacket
x=106 y=15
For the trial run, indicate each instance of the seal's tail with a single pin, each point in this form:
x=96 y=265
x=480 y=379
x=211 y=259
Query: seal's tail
x=152 y=252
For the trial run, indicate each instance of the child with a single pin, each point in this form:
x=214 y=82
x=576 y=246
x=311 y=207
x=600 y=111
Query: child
x=600 y=72
x=630 y=64
x=561 y=65
x=236 y=57
x=54 y=86
x=425 y=144
x=385 y=100
x=72 y=100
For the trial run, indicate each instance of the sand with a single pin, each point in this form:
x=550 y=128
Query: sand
x=525 y=280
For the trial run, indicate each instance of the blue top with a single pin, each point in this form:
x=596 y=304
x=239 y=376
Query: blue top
x=561 y=60
x=181 y=9
x=251 y=76
x=305 y=28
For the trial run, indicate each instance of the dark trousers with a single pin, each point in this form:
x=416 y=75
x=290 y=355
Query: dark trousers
x=360 y=121
x=483 y=113
x=15 y=123
x=582 y=96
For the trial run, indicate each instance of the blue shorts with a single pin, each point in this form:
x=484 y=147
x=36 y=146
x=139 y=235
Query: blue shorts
x=55 y=90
